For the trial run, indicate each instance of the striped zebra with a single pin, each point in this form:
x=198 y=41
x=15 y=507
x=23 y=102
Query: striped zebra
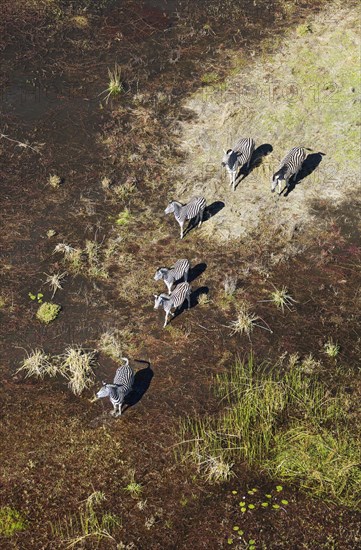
x=122 y=385
x=175 y=299
x=290 y=166
x=175 y=273
x=234 y=159
x=182 y=212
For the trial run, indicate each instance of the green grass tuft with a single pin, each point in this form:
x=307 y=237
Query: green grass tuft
x=11 y=521
x=282 y=421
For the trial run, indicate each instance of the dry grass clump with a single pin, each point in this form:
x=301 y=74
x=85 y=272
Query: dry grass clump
x=281 y=298
x=38 y=364
x=106 y=183
x=54 y=281
x=77 y=366
x=245 y=321
x=54 y=181
x=116 y=342
x=309 y=365
x=203 y=299
x=217 y=470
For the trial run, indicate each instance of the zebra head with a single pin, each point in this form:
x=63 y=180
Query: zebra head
x=159 y=300
x=277 y=178
x=160 y=273
x=170 y=208
x=229 y=158
x=104 y=391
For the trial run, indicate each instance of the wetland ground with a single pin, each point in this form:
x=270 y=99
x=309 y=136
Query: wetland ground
x=119 y=163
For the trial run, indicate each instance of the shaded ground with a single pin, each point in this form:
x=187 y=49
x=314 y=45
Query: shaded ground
x=57 y=448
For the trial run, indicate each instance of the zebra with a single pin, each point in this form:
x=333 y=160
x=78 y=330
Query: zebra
x=173 y=300
x=290 y=166
x=122 y=385
x=236 y=158
x=175 y=273
x=182 y=212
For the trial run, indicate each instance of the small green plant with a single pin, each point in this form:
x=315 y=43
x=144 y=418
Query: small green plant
x=3 y=301
x=332 y=349
x=38 y=297
x=123 y=218
x=48 y=312
x=54 y=181
x=11 y=521
x=133 y=488
x=51 y=233
x=115 y=86
x=210 y=78
x=305 y=28
x=77 y=366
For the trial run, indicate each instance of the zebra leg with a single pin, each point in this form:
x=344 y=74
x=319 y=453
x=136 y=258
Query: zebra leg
x=189 y=299
x=186 y=276
x=166 y=319
x=200 y=218
x=181 y=226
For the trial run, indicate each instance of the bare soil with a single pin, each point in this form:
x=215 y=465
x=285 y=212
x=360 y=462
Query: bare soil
x=57 y=448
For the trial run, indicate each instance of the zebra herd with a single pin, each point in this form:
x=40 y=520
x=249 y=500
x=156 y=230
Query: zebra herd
x=233 y=160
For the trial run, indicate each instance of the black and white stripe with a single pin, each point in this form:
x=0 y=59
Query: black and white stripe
x=194 y=209
x=122 y=385
x=234 y=159
x=170 y=276
x=289 y=167
x=175 y=299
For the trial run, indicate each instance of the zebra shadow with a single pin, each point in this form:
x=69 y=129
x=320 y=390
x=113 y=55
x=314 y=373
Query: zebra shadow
x=142 y=380
x=193 y=301
x=209 y=212
x=309 y=165
x=213 y=209
x=256 y=160
x=196 y=271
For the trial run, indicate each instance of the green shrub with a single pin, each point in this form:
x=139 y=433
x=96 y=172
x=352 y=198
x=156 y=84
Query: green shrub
x=11 y=521
x=47 y=312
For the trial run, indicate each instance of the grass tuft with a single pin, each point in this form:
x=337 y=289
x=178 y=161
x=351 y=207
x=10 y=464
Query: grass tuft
x=331 y=348
x=38 y=364
x=77 y=366
x=54 y=181
x=54 y=281
x=115 y=86
x=133 y=488
x=89 y=523
x=245 y=321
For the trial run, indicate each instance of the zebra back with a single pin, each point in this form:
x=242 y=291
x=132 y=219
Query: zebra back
x=244 y=149
x=194 y=206
x=124 y=377
x=177 y=271
x=179 y=294
x=293 y=160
